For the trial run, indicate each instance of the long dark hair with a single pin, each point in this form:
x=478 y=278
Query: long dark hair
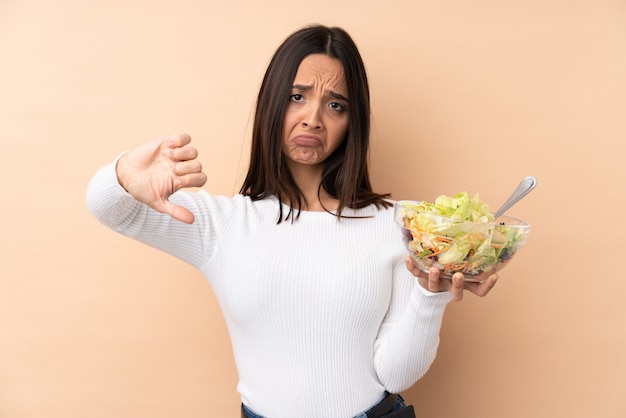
x=345 y=176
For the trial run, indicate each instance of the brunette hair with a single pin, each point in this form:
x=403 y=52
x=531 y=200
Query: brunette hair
x=345 y=176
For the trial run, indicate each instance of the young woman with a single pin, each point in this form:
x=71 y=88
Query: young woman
x=327 y=316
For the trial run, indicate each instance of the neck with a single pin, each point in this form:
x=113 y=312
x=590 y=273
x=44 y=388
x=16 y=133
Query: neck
x=308 y=179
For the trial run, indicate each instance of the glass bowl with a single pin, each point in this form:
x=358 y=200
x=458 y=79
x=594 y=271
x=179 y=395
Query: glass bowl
x=476 y=249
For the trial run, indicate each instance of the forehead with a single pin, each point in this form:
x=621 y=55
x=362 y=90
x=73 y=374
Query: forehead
x=320 y=69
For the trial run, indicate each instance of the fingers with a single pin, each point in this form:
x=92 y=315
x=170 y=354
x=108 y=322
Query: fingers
x=431 y=280
x=184 y=153
x=183 y=168
x=434 y=283
x=190 y=180
x=177 y=140
x=189 y=174
x=458 y=285
x=414 y=270
x=422 y=278
x=186 y=169
x=485 y=287
x=454 y=285
x=178 y=212
x=177 y=148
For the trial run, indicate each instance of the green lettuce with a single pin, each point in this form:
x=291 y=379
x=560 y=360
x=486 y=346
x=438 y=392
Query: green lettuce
x=442 y=236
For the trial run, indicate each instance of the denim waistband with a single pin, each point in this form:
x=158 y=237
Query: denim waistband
x=248 y=413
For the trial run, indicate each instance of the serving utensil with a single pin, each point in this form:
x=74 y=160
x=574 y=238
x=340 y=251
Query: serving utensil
x=525 y=187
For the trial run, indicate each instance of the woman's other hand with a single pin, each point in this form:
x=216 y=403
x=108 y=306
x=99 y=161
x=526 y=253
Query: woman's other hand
x=152 y=172
x=455 y=286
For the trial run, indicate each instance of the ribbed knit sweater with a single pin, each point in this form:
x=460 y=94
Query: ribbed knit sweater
x=323 y=314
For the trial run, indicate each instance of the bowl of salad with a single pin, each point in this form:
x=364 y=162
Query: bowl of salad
x=459 y=234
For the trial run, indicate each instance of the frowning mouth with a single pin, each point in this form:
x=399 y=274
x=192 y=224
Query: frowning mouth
x=308 y=140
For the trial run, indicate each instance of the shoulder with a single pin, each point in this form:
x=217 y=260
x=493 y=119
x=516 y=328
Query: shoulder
x=374 y=214
x=222 y=203
x=382 y=211
x=222 y=207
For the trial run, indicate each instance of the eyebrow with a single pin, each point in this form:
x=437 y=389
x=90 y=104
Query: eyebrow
x=331 y=93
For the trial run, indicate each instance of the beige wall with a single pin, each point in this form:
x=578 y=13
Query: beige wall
x=467 y=95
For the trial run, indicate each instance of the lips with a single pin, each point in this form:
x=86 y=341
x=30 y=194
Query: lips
x=308 y=141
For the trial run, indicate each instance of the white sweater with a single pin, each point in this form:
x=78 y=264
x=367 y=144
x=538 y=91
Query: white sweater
x=323 y=315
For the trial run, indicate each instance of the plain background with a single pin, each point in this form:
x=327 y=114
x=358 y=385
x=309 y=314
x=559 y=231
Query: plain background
x=467 y=96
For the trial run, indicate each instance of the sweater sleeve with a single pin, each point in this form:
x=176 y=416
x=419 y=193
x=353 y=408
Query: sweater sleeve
x=112 y=206
x=408 y=338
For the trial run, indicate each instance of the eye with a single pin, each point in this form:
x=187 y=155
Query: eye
x=297 y=97
x=337 y=106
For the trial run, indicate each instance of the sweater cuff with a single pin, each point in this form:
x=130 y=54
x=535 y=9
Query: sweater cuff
x=106 y=199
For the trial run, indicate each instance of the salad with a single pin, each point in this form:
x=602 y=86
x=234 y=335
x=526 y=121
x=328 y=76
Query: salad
x=459 y=233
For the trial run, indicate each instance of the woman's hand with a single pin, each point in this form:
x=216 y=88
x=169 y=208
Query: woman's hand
x=152 y=172
x=455 y=286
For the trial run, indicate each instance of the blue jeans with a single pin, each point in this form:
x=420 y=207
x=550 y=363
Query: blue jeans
x=250 y=414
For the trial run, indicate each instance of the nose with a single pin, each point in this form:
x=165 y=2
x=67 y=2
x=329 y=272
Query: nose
x=312 y=117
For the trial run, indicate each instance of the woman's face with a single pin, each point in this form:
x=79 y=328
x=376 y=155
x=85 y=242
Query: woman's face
x=316 y=119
